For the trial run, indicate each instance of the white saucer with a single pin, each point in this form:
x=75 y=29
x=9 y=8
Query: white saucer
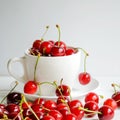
x=76 y=92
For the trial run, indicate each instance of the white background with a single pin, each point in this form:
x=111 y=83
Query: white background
x=91 y=24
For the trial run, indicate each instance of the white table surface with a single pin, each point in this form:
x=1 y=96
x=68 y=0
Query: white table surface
x=104 y=89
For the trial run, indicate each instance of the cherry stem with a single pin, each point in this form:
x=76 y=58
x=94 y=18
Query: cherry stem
x=47 y=27
x=36 y=67
x=59 y=34
x=16 y=83
x=91 y=111
x=114 y=86
x=86 y=54
x=23 y=97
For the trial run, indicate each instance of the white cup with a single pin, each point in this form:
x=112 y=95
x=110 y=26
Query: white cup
x=48 y=69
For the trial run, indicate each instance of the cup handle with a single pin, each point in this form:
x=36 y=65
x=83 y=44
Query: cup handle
x=12 y=72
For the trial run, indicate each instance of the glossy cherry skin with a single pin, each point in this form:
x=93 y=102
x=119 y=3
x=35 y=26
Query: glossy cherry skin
x=84 y=78
x=39 y=101
x=91 y=96
x=26 y=112
x=91 y=105
x=116 y=97
x=70 y=51
x=24 y=105
x=45 y=48
x=56 y=114
x=57 y=51
x=14 y=97
x=111 y=102
x=70 y=116
x=50 y=104
x=61 y=106
x=63 y=99
x=107 y=113
x=48 y=117
x=36 y=44
x=60 y=44
x=30 y=87
x=63 y=89
x=75 y=103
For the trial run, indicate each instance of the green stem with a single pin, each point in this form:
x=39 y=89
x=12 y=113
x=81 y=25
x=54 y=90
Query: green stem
x=42 y=37
x=59 y=34
x=16 y=83
x=36 y=66
x=23 y=97
x=86 y=54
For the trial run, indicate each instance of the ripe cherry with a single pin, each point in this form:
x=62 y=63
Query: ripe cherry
x=45 y=48
x=84 y=77
x=48 y=117
x=63 y=90
x=30 y=87
x=50 y=104
x=36 y=44
x=70 y=51
x=91 y=96
x=116 y=97
x=111 y=102
x=70 y=116
x=63 y=99
x=92 y=106
x=39 y=101
x=106 y=113
x=56 y=114
x=57 y=51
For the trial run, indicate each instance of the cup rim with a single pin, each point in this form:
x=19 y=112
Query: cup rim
x=77 y=52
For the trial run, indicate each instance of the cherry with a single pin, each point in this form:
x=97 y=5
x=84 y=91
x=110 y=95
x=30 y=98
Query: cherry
x=48 y=117
x=37 y=108
x=106 y=113
x=84 y=77
x=49 y=104
x=75 y=103
x=14 y=97
x=30 y=87
x=111 y=102
x=91 y=96
x=36 y=44
x=78 y=112
x=56 y=114
x=25 y=106
x=70 y=116
x=63 y=99
x=26 y=112
x=116 y=97
x=45 y=48
x=92 y=106
x=39 y=101
x=61 y=106
x=70 y=51
x=63 y=90
x=57 y=51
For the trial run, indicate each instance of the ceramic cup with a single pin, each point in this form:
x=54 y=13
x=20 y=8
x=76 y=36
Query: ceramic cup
x=48 y=69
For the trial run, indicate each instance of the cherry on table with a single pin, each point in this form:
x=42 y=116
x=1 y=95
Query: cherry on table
x=106 y=113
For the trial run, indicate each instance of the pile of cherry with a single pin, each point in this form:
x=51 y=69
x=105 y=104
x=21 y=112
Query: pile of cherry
x=17 y=107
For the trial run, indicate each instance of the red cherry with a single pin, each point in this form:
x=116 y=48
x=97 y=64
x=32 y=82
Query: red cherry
x=45 y=47
x=63 y=89
x=79 y=113
x=84 y=78
x=37 y=108
x=70 y=116
x=91 y=96
x=30 y=87
x=48 y=117
x=91 y=105
x=63 y=99
x=26 y=112
x=116 y=97
x=39 y=101
x=111 y=102
x=106 y=113
x=52 y=42
x=60 y=44
x=56 y=114
x=36 y=44
x=24 y=105
x=57 y=51
x=75 y=103
x=62 y=106
x=70 y=51
x=49 y=104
